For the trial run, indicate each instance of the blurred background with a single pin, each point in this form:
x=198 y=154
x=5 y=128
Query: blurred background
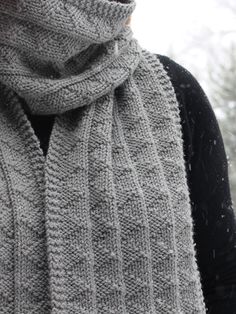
x=201 y=36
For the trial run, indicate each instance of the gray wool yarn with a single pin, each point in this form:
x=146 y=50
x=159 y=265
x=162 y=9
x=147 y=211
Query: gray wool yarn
x=103 y=223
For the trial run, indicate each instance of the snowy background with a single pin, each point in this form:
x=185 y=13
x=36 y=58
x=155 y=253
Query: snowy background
x=201 y=36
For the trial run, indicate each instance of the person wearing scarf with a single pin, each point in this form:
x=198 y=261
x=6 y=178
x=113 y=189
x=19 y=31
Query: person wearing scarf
x=102 y=223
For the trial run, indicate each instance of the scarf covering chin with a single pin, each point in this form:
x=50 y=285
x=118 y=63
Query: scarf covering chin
x=63 y=54
x=103 y=223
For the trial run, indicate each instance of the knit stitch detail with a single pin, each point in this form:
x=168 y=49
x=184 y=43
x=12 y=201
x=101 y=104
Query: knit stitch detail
x=24 y=217
x=78 y=56
x=182 y=198
x=103 y=223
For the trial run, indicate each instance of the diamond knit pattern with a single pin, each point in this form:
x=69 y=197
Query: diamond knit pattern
x=102 y=224
x=104 y=236
x=79 y=40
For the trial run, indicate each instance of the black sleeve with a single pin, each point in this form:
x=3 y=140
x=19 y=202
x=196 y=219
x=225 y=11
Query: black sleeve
x=211 y=202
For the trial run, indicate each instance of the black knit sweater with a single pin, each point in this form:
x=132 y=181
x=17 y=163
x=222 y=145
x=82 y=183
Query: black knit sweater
x=207 y=174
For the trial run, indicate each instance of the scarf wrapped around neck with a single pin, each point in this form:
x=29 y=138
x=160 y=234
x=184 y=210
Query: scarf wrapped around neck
x=103 y=223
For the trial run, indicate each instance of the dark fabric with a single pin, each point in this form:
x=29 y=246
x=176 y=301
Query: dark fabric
x=207 y=175
x=207 y=172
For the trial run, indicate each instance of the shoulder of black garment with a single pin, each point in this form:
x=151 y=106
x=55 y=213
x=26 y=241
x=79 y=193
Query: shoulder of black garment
x=214 y=223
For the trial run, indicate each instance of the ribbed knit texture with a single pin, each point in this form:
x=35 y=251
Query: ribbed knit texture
x=103 y=223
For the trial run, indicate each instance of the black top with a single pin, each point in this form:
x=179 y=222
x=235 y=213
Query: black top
x=207 y=174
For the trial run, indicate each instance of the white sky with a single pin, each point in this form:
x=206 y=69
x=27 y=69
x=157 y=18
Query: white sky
x=159 y=24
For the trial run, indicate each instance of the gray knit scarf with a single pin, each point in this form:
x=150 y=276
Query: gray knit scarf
x=103 y=223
